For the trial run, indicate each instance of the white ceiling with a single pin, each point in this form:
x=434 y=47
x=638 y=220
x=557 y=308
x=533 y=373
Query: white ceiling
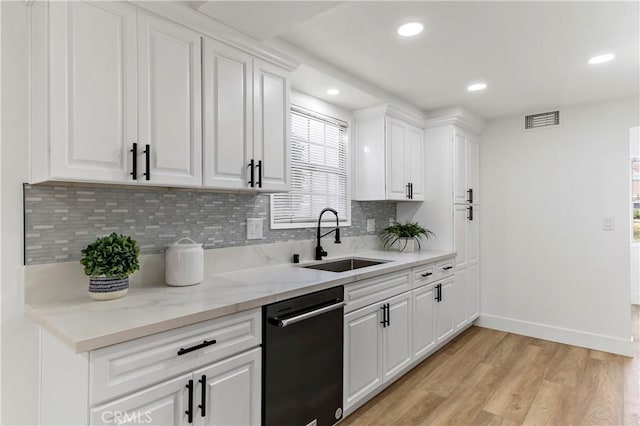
x=532 y=55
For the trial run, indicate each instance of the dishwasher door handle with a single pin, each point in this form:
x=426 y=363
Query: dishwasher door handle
x=288 y=321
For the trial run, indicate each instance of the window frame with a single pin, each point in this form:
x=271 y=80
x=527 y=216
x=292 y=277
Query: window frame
x=328 y=220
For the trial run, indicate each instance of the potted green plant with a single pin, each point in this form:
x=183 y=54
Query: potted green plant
x=405 y=236
x=108 y=262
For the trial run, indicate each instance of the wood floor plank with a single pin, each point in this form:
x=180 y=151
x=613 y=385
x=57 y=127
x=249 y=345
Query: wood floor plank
x=466 y=401
x=488 y=419
x=516 y=392
x=570 y=370
x=451 y=373
x=502 y=353
x=601 y=395
x=551 y=406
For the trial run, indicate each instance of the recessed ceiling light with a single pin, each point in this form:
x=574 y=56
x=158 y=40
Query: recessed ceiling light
x=333 y=92
x=601 y=58
x=476 y=86
x=410 y=29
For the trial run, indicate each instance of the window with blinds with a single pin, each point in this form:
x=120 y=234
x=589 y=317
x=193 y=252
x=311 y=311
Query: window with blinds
x=318 y=172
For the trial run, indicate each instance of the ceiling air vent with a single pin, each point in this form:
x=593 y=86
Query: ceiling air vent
x=543 y=119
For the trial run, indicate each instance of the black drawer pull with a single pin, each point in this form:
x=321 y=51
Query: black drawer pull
x=189 y=411
x=252 y=172
x=204 y=344
x=384 y=315
x=147 y=161
x=203 y=396
x=426 y=274
x=446 y=268
x=134 y=164
x=259 y=167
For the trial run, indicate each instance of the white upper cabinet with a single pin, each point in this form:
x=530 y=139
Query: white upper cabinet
x=246 y=121
x=92 y=93
x=169 y=103
x=228 y=137
x=466 y=189
x=389 y=163
x=123 y=96
x=271 y=115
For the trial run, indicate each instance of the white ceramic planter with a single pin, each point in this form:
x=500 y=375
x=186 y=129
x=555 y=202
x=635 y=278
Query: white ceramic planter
x=108 y=288
x=407 y=245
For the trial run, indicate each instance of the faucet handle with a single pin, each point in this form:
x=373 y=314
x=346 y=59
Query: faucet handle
x=338 y=236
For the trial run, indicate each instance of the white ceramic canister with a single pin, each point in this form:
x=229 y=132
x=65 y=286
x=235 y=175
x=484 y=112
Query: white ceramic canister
x=184 y=263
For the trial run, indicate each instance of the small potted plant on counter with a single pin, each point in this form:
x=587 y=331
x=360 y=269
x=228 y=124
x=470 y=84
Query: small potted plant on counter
x=404 y=236
x=108 y=261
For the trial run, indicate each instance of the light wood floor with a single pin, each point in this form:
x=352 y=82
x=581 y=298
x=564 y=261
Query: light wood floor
x=488 y=377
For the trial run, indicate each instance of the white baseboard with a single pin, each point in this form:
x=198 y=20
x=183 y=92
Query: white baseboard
x=635 y=298
x=557 y=334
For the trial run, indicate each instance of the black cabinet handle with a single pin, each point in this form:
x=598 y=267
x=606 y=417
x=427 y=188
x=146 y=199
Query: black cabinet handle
x=147 y=160
x=411 y=190
x=439 y=293
x=251 y=172
x=204 y=344
x=446 y=268
x=388 y=315
x=203 y=396
x=470 y=197
x=259 y=166
x=189 y=411
x=470 y=215
x=134 y=164
x=426 y=274
x=407 y=194
x=384 y=315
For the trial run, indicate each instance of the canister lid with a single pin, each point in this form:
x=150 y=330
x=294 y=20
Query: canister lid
x=182 y=245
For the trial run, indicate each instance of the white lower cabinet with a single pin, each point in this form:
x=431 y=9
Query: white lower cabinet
x=395 y=332
x=377 y=346
x=231 y=391
x=424 y=305
x=163 y=404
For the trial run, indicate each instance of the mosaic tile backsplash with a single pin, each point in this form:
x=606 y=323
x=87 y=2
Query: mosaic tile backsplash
x=61 y=220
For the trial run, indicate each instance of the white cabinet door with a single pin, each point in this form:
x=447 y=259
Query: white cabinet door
x=169 y=103
x=232 y=392
x=459 y=295
x=415 y=161
x=444 y=311
x=93 y=90
x=271 y=115
x=396 y=146
x=424 y=338
x=227 y=116
x=397 y=336
x=459 y=168
x=473 y=267
x=362 y=353
x=472 y=161
x=460 y=221
x=163 y=404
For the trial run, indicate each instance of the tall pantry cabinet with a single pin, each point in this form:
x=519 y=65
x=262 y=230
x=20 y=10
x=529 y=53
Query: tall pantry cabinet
x=451 y=207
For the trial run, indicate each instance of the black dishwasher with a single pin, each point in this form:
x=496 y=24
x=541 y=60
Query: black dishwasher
x=302 y=360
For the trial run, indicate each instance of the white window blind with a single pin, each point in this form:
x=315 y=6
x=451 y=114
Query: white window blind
x=318 y=171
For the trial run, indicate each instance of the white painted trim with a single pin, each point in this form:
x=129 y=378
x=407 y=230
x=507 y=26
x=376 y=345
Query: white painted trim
x=456 y=116
x=635 y=298
x=558 y=334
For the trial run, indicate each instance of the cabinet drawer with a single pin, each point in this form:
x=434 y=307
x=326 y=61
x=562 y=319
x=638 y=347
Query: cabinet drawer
x=373 y=290
x=445 y=268
x=119 y=369
x=423 y=275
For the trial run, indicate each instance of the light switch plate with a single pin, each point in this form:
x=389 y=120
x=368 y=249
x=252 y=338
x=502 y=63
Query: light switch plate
x=371 y=225
x=255 y=229
x=608 y=224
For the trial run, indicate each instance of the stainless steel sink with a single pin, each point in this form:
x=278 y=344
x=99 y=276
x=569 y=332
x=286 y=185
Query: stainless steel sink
x=348 y=264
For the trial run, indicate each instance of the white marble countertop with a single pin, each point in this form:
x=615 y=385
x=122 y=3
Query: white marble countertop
x=84 y=324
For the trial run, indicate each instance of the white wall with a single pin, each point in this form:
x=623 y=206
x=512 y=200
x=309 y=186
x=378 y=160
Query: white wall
x=548 y=268
x=19 y=334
